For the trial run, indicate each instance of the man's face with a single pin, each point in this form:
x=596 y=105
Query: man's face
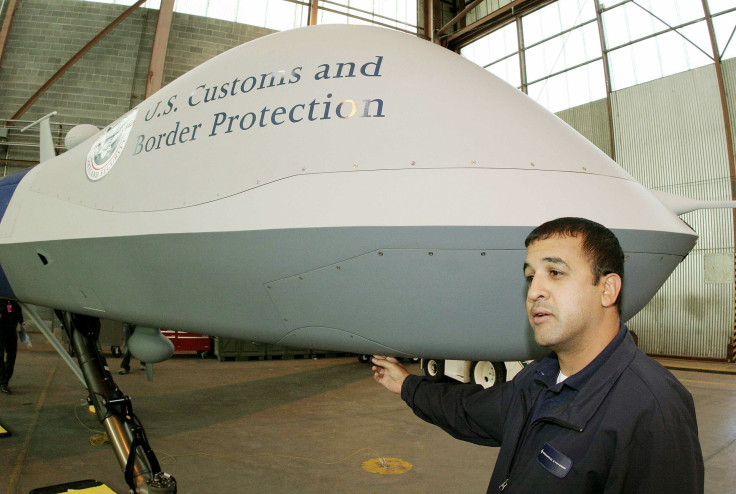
x=562 y=302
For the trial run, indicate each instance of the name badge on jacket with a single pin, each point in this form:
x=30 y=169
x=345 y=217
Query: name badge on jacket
x=554 y=462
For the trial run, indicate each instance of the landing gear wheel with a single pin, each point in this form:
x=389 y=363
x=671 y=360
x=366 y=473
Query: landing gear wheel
x=435 y=370
x=487 y=373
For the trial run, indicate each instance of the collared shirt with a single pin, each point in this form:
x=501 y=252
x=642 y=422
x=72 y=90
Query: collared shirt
x=557 y=395
x=629 y=421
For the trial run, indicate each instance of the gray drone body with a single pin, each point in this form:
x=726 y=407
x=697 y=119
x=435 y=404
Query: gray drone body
x=333 y=187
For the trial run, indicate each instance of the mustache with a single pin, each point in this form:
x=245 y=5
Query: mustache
x=540 y=307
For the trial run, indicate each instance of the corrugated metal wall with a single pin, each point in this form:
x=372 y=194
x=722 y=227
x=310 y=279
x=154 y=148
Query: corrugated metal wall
x=591 y=120
x=669 y=135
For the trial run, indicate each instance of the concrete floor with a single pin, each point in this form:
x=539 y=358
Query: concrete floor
x=275 y=426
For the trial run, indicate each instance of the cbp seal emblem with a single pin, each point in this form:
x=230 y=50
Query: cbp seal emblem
x=109 y=146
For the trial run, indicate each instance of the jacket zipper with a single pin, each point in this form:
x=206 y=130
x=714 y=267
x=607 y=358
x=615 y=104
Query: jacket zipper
x=519 y=440
x=527 y=411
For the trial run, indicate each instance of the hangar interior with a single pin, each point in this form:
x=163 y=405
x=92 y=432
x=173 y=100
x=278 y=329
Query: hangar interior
x=650 y=83
x=647 y=92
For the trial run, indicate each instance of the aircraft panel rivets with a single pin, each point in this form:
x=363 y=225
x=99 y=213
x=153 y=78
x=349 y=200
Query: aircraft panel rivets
x=355 y=165
x=304 y=169
x=413 y=163
x=301 y=278
x=380 y=253
x=585 y=169
x=338 y=267
x=482 y=253
x=532 y=164
x=431 y=253
x=269 y=287
x=472 y=162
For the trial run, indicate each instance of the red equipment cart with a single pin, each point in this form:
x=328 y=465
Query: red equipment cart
x=188 y=342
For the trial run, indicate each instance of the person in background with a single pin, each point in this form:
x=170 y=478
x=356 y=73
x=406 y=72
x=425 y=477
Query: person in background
x=128 y=330
x=10 y=317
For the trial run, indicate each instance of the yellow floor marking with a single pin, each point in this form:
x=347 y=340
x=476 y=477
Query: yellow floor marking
x=100 y=489
x=387 y=466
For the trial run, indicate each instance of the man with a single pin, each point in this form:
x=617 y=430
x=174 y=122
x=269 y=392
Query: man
x=128 y=330
x=10 y=317
x=597 y=414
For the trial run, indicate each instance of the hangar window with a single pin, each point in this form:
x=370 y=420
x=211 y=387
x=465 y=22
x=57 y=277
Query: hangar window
x=397 y=14
x=498 y=53
x=650 y=39
x=559 y=55
x=724 y=25
x=571 y=88
x=553 y=54
x=563 y=54
x=277 y=15
x=289 y=14
x=272 y=14
x=556 y=18
x=566 y=70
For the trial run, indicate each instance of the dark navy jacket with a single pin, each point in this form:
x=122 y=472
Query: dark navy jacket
x=630 y=428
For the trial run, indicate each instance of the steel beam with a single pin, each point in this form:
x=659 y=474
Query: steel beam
x=5 y=30
x=313 y=10
x=729 y=136
x=606 y=74
x=160 y=45
x=75 y=59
